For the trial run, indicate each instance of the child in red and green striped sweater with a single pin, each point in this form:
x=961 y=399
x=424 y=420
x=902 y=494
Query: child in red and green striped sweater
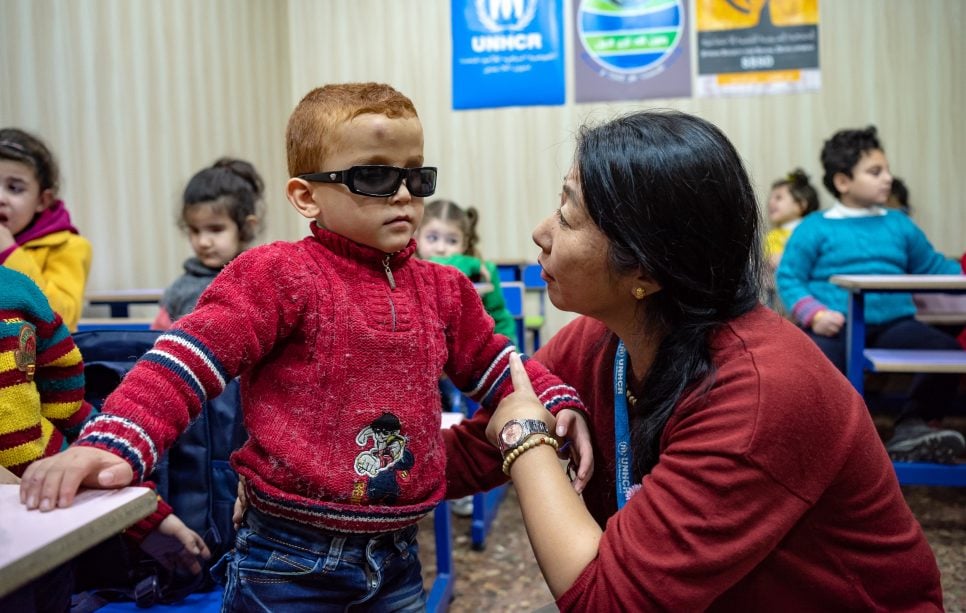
x=42 y=410
x=41 y=376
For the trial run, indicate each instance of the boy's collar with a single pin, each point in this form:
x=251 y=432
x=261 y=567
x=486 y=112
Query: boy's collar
x=341 y=245
x=840 y=211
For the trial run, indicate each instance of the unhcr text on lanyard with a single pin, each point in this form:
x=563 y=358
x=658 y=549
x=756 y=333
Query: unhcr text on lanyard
x=622 y=434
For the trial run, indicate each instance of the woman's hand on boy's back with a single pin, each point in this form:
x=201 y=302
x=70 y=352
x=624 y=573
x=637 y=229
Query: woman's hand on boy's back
x=53 y=482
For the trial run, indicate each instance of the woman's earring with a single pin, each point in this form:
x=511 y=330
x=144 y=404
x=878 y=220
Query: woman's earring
x=639 y=293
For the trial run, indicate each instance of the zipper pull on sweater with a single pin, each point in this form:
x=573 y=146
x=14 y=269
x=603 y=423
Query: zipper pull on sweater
x=385 y=264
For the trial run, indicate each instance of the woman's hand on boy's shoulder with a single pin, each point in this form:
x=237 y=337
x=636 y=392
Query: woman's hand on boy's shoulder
x=53 y=482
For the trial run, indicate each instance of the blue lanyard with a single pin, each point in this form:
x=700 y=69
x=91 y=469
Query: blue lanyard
x=622 y=434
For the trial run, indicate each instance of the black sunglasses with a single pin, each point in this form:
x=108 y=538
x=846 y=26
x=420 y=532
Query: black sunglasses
x=381 y=181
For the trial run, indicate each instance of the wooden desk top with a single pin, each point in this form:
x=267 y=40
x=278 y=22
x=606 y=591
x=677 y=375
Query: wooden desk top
x=904 y=283
x=32 y=543
x=148 y=296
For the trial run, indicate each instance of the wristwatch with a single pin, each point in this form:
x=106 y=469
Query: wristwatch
x=516 y=431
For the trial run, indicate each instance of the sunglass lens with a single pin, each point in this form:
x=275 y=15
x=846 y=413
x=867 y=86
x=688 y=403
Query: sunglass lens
x=375 y=180
x=421 y=182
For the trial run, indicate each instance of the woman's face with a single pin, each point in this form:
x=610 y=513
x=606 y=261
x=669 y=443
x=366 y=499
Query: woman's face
x=573 y=254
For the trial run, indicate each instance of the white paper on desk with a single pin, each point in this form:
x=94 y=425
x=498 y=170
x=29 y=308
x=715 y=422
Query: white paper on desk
x=23 y=531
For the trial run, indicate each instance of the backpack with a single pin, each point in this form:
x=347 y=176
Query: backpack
x=194 y=477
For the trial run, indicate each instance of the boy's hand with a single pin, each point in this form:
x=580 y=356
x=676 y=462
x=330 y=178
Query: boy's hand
x=176 y=546
x=6 y=238
x=572 y=426
x=53 y=482
x=827 y=322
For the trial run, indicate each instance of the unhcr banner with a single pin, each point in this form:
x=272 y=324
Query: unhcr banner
x=631 y=49
x=507 y=53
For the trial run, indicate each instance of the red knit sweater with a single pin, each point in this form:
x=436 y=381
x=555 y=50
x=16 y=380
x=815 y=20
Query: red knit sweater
x=773 y=492
x=340 y=349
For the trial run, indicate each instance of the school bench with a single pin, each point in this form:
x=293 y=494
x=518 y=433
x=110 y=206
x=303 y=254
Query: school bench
x=859 y=359
x=119 y=301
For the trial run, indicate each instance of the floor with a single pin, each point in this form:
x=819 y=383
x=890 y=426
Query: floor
x=505 y=577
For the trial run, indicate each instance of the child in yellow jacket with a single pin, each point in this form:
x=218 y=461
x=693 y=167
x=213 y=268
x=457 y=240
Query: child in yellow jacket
x=36 y=235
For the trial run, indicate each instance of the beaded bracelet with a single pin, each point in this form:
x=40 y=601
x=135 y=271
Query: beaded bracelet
x=530 y=443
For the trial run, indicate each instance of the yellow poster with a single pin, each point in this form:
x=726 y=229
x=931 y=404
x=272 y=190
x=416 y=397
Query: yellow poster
x=753 y=47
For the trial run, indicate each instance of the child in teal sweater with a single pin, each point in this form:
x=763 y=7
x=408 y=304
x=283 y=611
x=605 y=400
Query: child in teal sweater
x=859 y=236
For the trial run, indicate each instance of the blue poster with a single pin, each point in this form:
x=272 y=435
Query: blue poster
x=507 y=53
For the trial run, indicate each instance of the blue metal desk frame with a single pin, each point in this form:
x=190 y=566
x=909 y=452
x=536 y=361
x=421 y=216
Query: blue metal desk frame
x=908 y=473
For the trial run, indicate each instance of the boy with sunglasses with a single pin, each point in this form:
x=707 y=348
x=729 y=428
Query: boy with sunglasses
x=340 y=339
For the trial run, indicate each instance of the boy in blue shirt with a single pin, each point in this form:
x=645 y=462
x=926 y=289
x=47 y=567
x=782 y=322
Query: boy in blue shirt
x=859 y=236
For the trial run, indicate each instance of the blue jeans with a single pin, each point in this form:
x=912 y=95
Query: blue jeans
x=280 y=565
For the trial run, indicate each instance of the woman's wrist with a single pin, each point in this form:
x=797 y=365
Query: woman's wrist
x=531 y=443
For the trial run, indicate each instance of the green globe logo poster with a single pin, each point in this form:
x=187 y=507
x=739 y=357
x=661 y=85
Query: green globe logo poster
x=631 y=50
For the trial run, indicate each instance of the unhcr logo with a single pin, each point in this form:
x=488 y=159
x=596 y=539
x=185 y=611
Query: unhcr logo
x=505 y=19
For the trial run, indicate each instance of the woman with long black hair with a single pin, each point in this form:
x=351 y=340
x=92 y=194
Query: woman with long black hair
x=736 y=468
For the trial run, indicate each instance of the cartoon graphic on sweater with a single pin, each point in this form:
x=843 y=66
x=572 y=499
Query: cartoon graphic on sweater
x=26 y=355
x=387 y=457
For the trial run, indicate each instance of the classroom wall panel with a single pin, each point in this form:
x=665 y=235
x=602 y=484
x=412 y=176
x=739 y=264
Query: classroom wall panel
x=897 y=64
x=136 y=96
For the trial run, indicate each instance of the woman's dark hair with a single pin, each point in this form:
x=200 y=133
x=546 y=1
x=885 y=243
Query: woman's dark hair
x=465 y=219
x=843 y=151
x=24 y=147
x=800 y=189
x=672 y=196
x=230 y=185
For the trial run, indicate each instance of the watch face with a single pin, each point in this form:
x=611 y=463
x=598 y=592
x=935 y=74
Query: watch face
x=511 y=433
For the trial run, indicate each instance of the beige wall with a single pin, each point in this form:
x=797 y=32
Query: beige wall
x=136 y=96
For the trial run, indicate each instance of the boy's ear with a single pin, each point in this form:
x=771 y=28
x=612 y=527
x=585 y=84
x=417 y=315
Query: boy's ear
x=842 y=182
x=299 y=193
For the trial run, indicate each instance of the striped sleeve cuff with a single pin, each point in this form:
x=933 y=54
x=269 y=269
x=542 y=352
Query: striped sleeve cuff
x=559 y=397
x=123 y=438
x=139 y=531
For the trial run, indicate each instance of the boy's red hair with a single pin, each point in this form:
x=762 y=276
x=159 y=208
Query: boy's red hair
x=308 y=139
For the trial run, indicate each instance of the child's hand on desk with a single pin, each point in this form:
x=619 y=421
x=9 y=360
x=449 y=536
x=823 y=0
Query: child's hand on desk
x=53 y=482
x=176 y=546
